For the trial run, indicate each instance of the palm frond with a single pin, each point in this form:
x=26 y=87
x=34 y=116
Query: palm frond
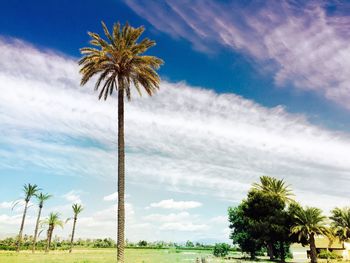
x=118 y=61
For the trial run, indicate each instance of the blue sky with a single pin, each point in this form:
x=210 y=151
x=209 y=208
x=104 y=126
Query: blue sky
x=248 y=89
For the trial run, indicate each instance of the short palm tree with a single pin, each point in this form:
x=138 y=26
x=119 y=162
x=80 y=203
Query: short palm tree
x=52 y=222
x=77 y=209
x=29 y=191
x=276 y=187
x=340 y=222
x=41 y=198
x=120 y=63
x=308 y=223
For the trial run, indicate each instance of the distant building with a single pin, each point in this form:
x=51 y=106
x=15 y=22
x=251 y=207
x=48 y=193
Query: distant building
x=302 y=254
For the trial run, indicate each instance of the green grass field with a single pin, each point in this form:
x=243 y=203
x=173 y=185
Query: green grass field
x=108 y=256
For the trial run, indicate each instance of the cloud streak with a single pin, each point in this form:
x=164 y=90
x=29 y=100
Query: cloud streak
x=178 y=205
x=305 y=45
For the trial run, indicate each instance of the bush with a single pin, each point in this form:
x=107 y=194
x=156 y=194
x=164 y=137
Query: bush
x=327 y=254
x=142 y=243
x=221 y=249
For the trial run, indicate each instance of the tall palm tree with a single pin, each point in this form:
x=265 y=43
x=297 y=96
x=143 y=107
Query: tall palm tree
x=118 y=61
x=341 y=222
x=77 y=209
x=307 y=223
x=276 y=187
x=29 y=191
x=52 y=221
x=41 y=198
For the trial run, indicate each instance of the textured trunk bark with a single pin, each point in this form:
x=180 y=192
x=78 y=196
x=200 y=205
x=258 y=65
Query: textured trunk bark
x=121 y=175
x=270 y=250
x=313 y=252
x=73 y=231
x=36 y=229
x=48 y=241
x=19 y=241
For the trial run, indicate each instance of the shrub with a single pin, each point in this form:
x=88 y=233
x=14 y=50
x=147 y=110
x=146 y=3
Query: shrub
x=142 y=243
x=328 y=254
x=221 y=249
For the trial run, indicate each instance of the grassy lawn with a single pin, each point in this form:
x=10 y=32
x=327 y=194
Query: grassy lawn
x=107 y=256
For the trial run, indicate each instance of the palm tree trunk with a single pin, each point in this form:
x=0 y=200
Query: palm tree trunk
x=48 y=240
x=22 y=226
x=121 y=175
x=73 y=231
x=313 y=252
x=36 y=229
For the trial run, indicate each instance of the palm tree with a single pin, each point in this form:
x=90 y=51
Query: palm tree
x=307 y=223
x=52 y=222
x=41 y=199
x=29 y=191
x=276 y=187
x=118 y=61
x=77 y=209
x=341 y=222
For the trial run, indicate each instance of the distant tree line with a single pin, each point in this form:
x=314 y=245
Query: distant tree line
x=268 y=219
x=56 y=243
x=65 y=244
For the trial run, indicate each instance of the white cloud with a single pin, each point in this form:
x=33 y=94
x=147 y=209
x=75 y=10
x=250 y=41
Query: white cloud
x=6 y=205
x=182 y=216
x=178 y=205
x=182 y=221
x=73 y=197
x=219 y=220
x=307 y=47
x=183 y=227
x=206 y=143
x=111 y=197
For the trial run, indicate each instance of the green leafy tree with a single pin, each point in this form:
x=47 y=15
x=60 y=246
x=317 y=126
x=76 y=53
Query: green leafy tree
x=41 y=198
x=52 y=222
x=118 y=61
x=269 y=220
x=243 y=232
x=77 y=209
x=308 y=223
x=142 y=243
x=189 y=243
x=263 y=220
x=29 y=191
x=221 y=249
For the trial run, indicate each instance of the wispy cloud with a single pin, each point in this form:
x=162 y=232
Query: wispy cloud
x=182 y=221
x=73 y=196
x=179 y=205
x=205 y=142
x=305 y=46
x=111 y=197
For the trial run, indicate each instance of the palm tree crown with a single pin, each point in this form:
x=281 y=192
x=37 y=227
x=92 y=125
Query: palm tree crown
x=118 y=61
x=54 y=219
x=41 y=197
x=274 y=186
x=341 y=222
x=77 y=209
x=309 y=221
x=29 y=191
